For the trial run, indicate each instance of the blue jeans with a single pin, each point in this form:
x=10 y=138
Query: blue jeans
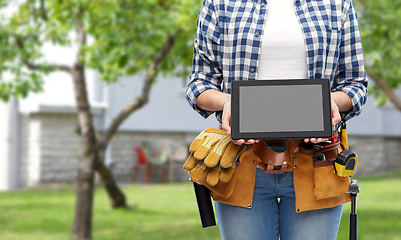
x=273 y=214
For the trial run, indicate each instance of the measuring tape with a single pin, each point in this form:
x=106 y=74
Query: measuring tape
x=345 y=164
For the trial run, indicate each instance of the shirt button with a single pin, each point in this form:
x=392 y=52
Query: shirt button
x=252 y=70
x=262 y=5
x=257 y=34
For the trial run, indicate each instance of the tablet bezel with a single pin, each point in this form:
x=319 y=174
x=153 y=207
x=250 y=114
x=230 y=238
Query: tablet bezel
x=235 y=119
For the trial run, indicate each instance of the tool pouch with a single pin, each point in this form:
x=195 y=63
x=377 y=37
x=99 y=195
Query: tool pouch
x=236 y=191
x=326 y=183
x=275 y=154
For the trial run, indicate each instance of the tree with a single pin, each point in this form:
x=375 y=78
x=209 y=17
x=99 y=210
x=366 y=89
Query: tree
x=114 y=37
x=381 y=33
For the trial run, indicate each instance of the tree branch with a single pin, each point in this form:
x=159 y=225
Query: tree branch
x=45 y=67
x=43 y=10
x=382 y=84
x=81 y=36
x=143 y=98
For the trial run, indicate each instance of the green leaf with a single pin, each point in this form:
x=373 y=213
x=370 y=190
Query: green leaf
x=381 y=33
x=123 y=37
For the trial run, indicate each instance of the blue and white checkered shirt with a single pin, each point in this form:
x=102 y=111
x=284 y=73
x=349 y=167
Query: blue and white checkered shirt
x=228 y=45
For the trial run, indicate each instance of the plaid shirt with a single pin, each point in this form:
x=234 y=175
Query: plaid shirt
x=228 y=44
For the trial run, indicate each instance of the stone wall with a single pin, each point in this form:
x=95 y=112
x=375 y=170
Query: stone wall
x=125 y=159
x=50 y=150
x=376 y=154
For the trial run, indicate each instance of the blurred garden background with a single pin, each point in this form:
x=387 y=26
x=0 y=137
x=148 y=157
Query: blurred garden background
x=94 y=126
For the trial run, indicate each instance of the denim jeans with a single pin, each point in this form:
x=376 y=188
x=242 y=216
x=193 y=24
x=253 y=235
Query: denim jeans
x=273 y=214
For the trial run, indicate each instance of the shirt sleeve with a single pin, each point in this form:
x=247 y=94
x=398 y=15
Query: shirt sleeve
x=351 y=77
x=206 y=63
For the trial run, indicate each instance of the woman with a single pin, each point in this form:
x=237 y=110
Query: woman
x=277 y=39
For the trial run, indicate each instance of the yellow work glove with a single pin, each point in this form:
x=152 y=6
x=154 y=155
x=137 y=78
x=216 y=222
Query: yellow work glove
x=213 y=154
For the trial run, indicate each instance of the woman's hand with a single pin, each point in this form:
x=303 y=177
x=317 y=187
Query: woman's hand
x=340 y=101
x=226 y=124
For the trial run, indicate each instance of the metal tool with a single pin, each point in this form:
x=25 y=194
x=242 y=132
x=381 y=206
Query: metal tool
x=354 y=190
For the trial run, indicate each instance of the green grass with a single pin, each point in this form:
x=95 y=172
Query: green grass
x=378 y=208
x=170 y=212
x=163 y=212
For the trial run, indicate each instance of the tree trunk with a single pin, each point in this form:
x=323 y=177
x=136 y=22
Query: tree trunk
x=85 y=178
x=116 y=196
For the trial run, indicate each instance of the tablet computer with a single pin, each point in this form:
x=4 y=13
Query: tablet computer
x=281 y=109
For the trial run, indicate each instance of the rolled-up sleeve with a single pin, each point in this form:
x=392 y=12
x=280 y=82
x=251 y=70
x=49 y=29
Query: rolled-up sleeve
x=206 y=70
x=351 y=77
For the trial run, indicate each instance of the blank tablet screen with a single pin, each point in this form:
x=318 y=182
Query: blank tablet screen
x=271 y=109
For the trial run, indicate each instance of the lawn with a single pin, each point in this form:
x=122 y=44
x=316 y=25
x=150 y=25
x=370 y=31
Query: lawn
x=169 y=212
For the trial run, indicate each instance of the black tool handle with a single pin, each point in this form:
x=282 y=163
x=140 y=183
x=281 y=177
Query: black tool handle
x=205 y=206
x=353 y=227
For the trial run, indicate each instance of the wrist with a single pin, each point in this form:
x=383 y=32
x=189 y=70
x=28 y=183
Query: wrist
x=342 y=100
x=212 y=100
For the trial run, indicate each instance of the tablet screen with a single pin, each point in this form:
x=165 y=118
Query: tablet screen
x=271 y=109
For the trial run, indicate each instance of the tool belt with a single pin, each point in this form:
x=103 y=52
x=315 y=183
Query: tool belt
x=315 y=184
x=275 y=155
x=330 y=151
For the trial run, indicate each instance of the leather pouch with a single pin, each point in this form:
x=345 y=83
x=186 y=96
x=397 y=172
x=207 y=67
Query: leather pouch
x=223 y=189
x=275 y=154
x=326 y=183
x=239 y=191
x=243 y=169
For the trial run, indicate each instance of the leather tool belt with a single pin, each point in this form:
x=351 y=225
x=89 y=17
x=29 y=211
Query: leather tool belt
x=330 y=152
x=276 y=154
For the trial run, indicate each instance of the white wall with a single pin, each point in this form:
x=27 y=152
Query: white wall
x=377 y=121
x=9 y=145
x=3 y=145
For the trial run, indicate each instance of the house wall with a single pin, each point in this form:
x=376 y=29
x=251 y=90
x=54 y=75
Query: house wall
x=167 y=109
x=9 y=145
x=376 y=154
x=377 y=121
x=125 y=158
x=50 y=150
